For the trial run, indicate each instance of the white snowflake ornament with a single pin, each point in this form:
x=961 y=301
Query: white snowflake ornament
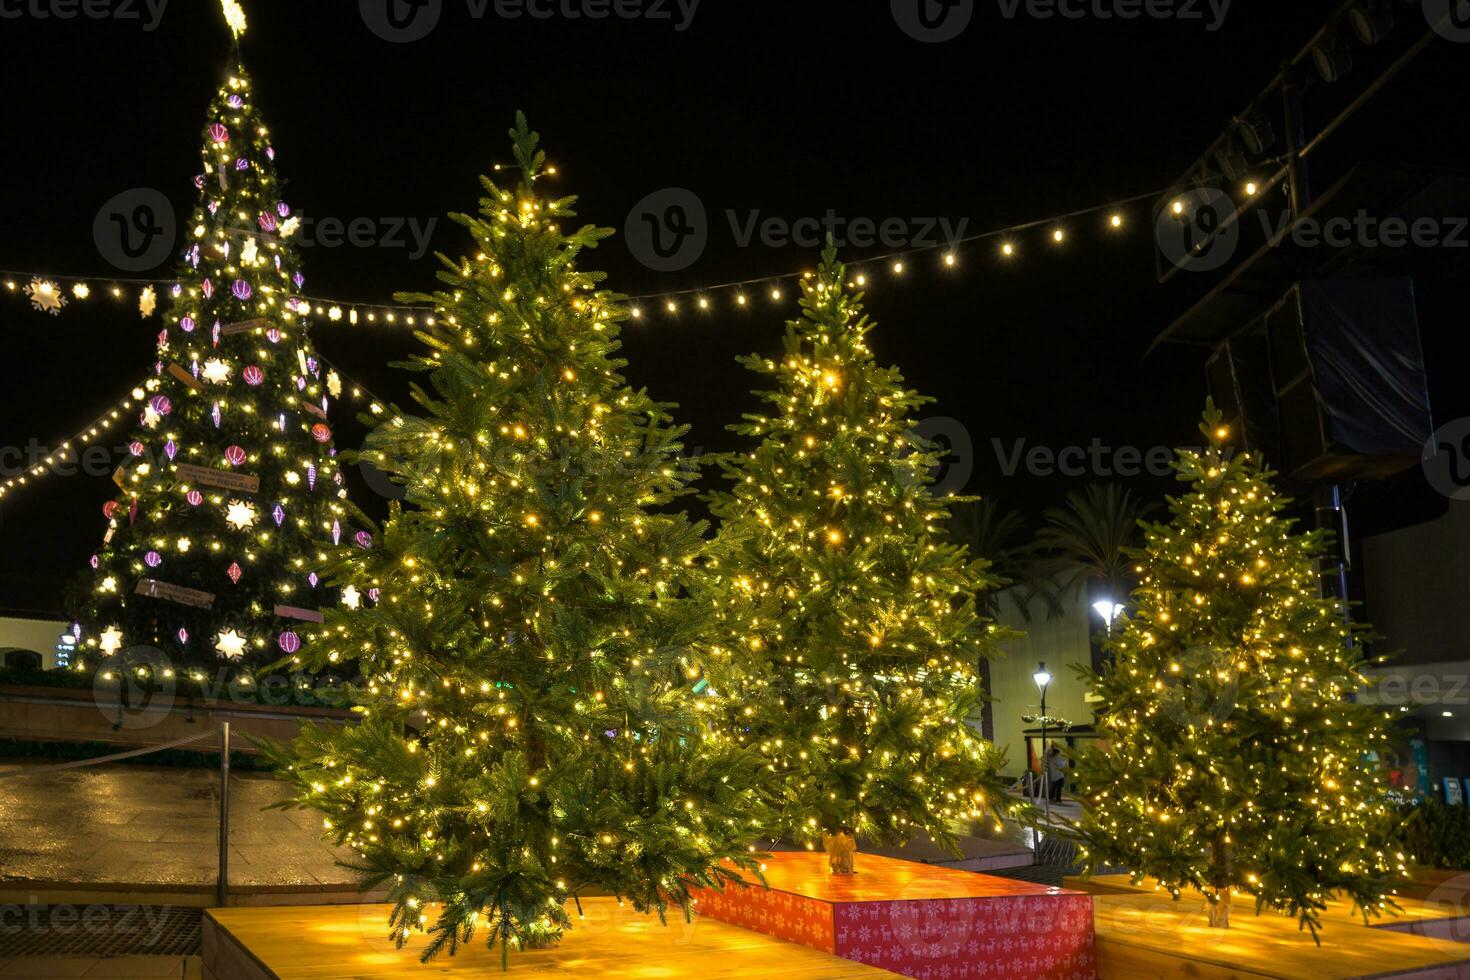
x=46 y=296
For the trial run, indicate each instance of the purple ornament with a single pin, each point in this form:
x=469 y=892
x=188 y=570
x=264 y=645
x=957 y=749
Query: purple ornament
x=153 y=559
x=279 y=514
x=94 y=561
x=194 y=256
x=283 y=209
x=270 y=152
x=311 y=365
x=216 y=333
x=176 y=290
x=170 y=449
x=311 y=476
x=207 y=286
x=161 y=404
x=242 y=164
x=194 y=497
x=289 y=642
x=199 y=181
x=241 y=289
x=299 y=280
x=214 y=207
x=373 y=594
x=313 y=579
x=183 y=635
x=187 y=324
x=364 y=540
x=217 y=415
x=234 y=101
x=219 y=133
x=336 y=532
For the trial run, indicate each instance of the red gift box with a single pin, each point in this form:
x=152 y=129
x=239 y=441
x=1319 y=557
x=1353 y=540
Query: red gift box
x=919 y=920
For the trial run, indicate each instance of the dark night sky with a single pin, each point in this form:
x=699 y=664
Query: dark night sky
x=783 y=107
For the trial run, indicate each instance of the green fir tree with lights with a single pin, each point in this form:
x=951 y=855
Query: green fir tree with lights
x=851 y=636
x=229 y=503
x=1233 y=757
x=533 y=726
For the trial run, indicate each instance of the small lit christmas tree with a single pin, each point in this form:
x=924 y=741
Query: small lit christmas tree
x=533 y=727
x=850 y=620
x=1233 y=757
x=229 y=505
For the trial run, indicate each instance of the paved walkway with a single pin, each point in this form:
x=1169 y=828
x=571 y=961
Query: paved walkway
x=157 y=826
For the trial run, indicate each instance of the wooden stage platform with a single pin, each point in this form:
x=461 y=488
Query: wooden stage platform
x=350 y=943
x=917 y=920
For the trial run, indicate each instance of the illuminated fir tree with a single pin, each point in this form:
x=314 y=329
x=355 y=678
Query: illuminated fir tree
x=849 y=619
x=533 y=727
x=228 y=505
x=1233 y=756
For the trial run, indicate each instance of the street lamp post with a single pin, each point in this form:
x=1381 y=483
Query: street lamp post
x=1043 y=678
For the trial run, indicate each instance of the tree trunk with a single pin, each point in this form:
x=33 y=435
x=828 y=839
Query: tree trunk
x=1221 y=874
x=840 y=846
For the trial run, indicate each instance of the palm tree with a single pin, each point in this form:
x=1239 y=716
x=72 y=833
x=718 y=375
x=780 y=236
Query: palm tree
x=999 y=537
x=1087 y=541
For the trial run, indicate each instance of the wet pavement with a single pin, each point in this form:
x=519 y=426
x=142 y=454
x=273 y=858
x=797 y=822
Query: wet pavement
x=147 y=825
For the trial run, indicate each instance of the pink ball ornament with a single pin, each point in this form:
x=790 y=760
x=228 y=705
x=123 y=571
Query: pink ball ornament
x=136 y=448
x=234 y=456
x=187 y=324
x=267 y=221
x=289 y=642
x=364 y=540
x=153 y=559
x=194 y=497
x=161 y=404
x=273 y=334
x=253 y=375
x=218 y=133
x=321 y=432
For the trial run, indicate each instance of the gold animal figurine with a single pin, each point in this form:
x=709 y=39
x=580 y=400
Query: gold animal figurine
x=840 y=850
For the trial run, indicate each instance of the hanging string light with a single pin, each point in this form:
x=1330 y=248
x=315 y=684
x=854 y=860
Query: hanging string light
x=52 y=292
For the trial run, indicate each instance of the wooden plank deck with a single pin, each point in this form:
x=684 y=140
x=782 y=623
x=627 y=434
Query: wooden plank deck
x=1147 y=936
x=1438 y=906
x=349 y=943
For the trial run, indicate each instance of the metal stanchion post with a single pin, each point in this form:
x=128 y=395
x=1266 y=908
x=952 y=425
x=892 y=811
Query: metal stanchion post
x=222 y=887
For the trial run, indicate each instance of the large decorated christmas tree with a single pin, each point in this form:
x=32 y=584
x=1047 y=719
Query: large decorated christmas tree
x=849 y=620
x=532 y=728
x=228 y=505
x=1233 y=756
